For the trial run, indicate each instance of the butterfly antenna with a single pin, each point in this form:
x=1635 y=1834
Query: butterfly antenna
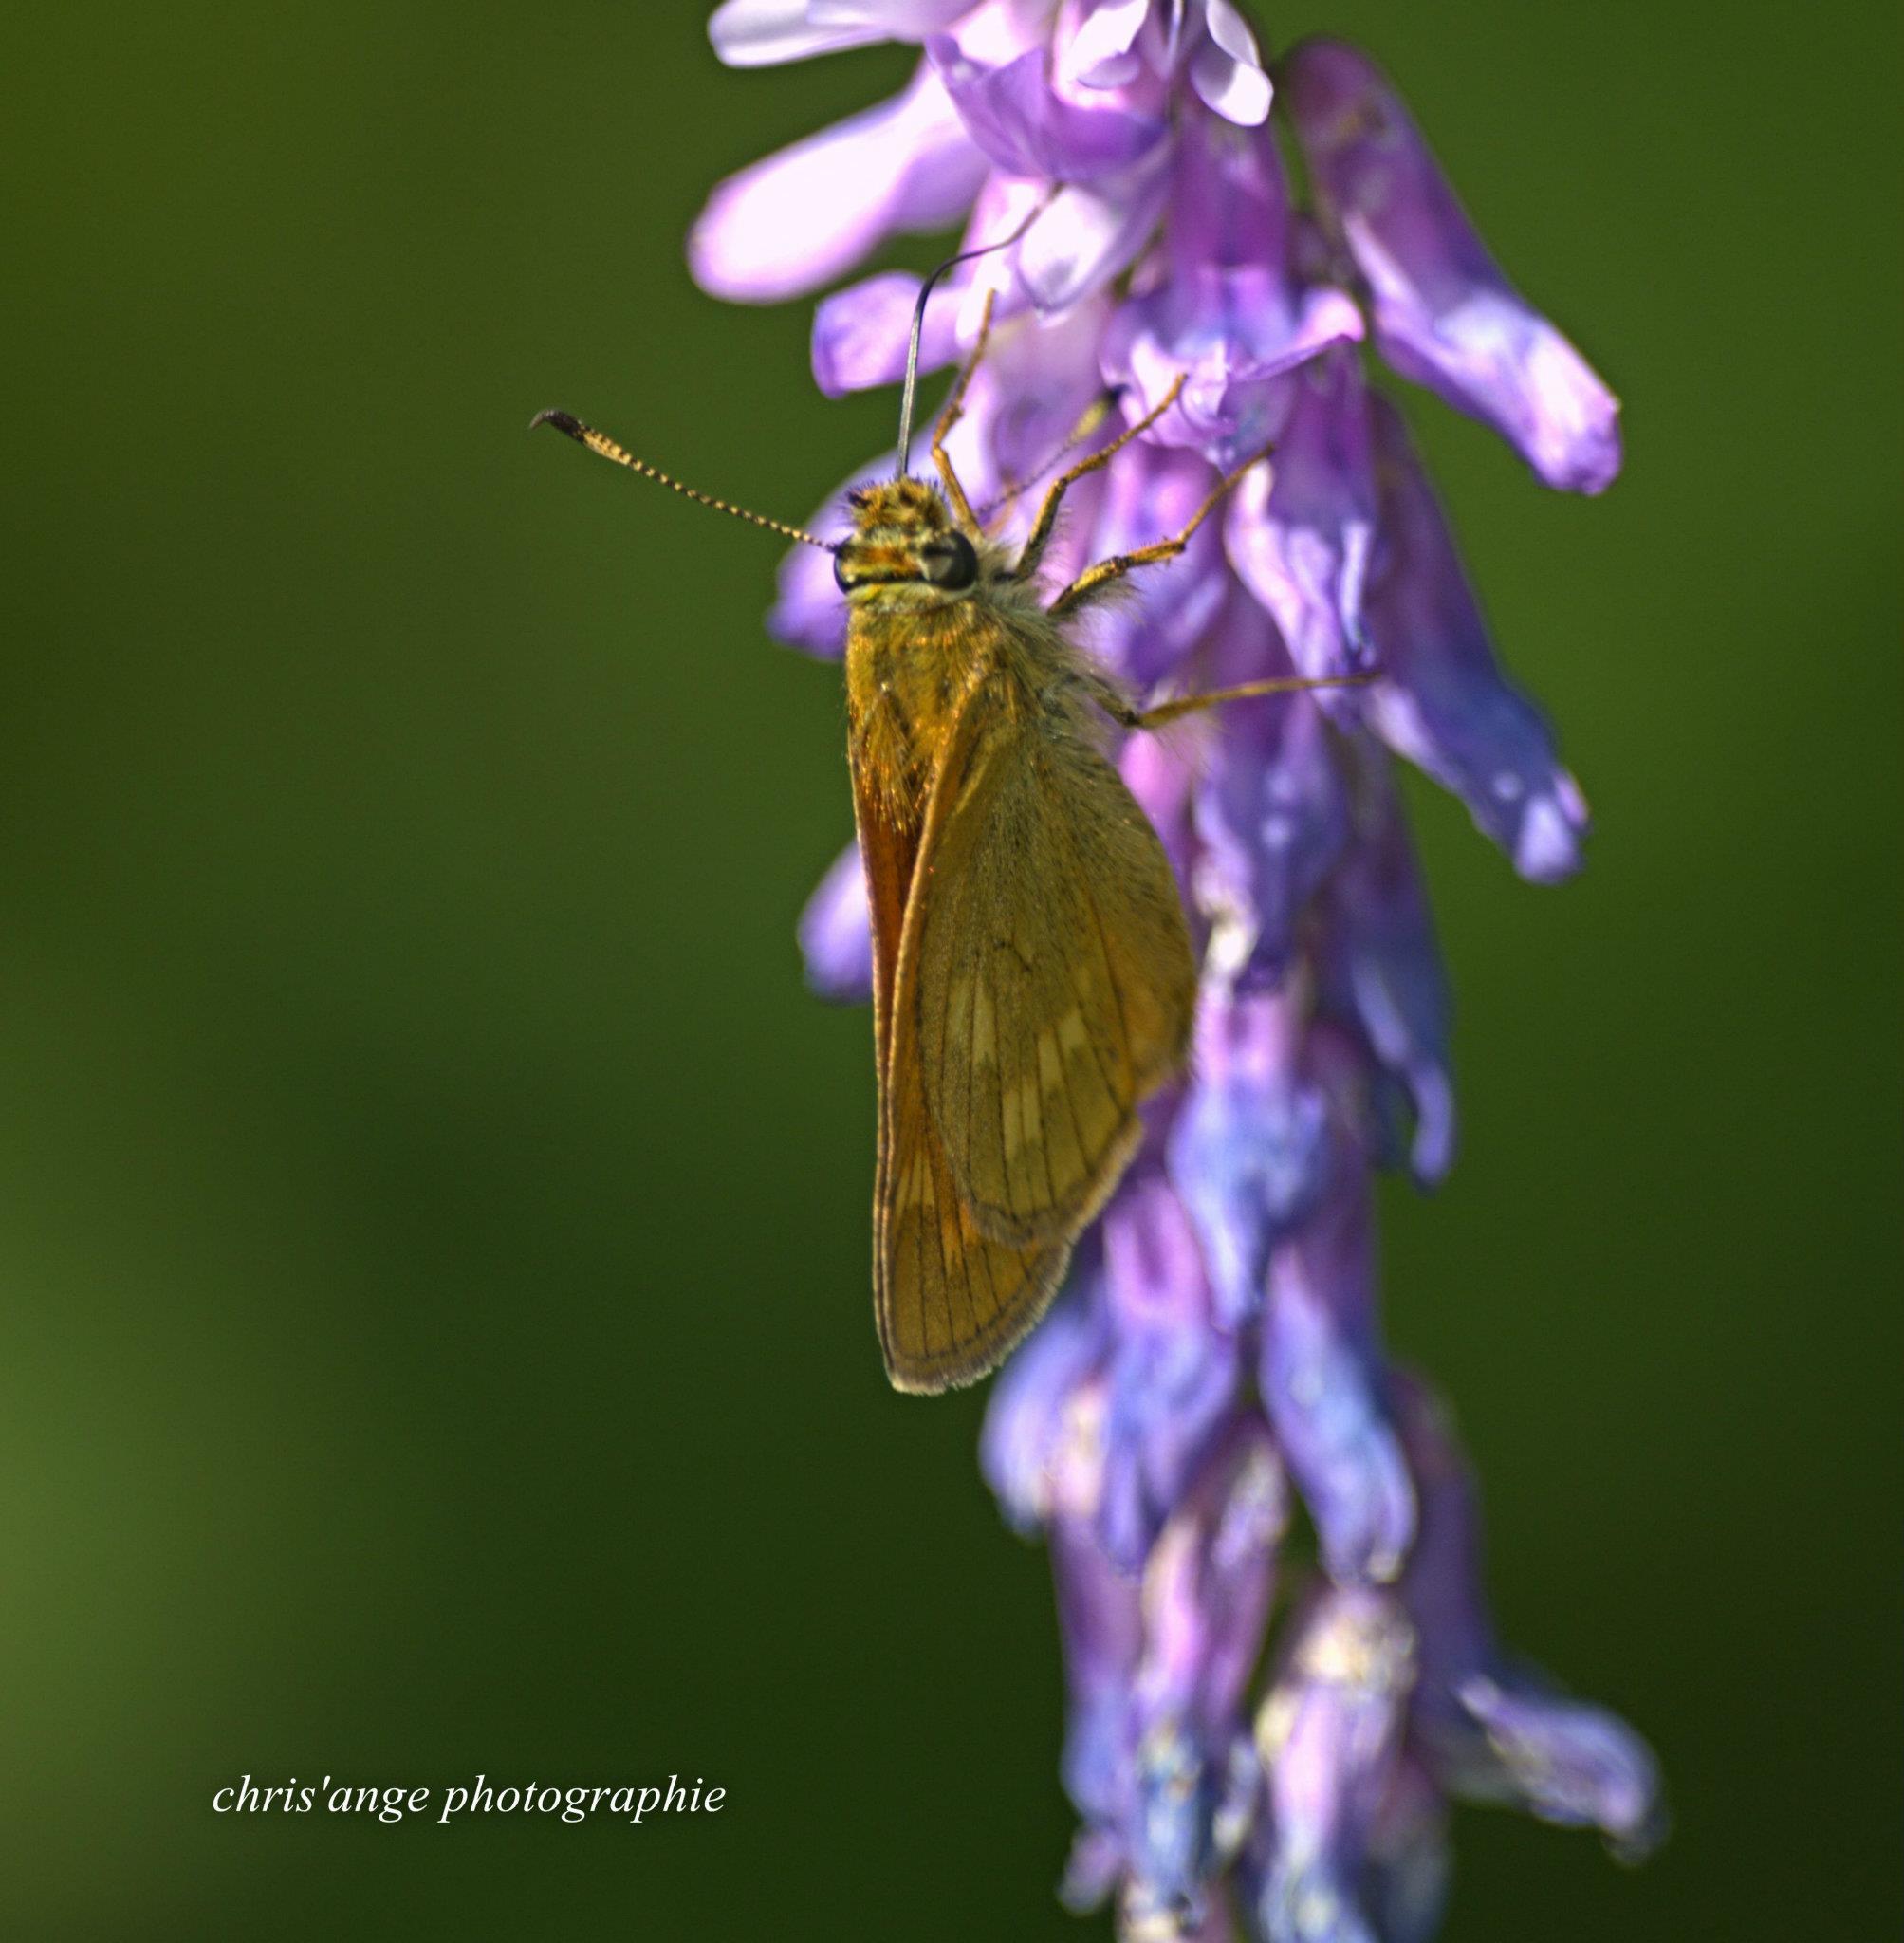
x=910 y=392
x=605 y=447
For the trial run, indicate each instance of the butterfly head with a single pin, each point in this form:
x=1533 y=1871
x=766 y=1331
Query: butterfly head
x=904 y=548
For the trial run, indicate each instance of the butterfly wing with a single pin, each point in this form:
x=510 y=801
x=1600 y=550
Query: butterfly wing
x=1042 y=986
x=948 y=1300
x=1055 y=984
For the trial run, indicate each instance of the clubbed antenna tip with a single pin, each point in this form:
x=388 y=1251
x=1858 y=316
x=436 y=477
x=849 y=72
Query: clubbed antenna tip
x=605 y=447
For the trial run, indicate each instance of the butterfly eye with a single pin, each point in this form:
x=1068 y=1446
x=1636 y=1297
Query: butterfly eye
x=949 y=562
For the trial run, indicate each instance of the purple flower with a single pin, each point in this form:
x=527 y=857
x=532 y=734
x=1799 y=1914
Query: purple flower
x=1443 y=313
x=1322 y=1373
x=1494 y=1728
x=758 y=33
x=1446 y=705
x=836 y=933
x=1219 y=1351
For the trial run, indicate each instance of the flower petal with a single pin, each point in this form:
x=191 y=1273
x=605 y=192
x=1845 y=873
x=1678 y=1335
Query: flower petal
x=1250 y=1151
x=1444 y=314
x=809 y=611
x=1404 y=1884
x=1104 y=52
x=1322 y=1380
x=1227 y=71
x=760 y=33
x=1207 y=1585
x=1206 y=1590
x=1233 y=317
x=1026 y=1420
x=836 y=934
x=1149 y=494
x=1173 y=1376
x=1271 y=808
x=1089 y=233
x=800 y=218
x=902 y=20
x=1044 y=371
x=1494 y=1729
x=1444 y=703
x=1329 y=1736
x=1383 y=974
x=1576 y=1765
x=861 y=334
x=1301 y=533
x=1013 y=112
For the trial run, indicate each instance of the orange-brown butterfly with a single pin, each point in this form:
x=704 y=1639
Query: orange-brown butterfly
x=1033 y=982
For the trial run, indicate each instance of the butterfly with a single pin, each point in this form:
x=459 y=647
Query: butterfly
x=1033 y=979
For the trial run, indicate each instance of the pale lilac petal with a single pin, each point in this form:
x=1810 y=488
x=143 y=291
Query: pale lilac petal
x=1089 y=234
x=1322 y=1378
x=760 y=33
x=1101 y=1622
x=861 y=334
x=1042 y=378
x=1173 y=1376
x=1229 y=202
x=1495 y=1730
x=1444 y=314
x=1232 y=318
x=1161 y=777
x=1271 y=808
x=1013 y=112
x=1300 y=535
x=1330 y=1737
x=1383 y=974
x=1444 y=703
x=1207 y=1585
x=1207 y=1588
x=1227 y=71
x=1092 y=1869
x=836 y=936
x=1235 y=352
x=1404 y=1884
x=809 y=611
x=1027 y=1418
x=1565 y=1762
x=1250 y=1151
x=796 y=220
x=902 y=20
x=1104 y=52
x=1151 y=493
x=1441 y=1585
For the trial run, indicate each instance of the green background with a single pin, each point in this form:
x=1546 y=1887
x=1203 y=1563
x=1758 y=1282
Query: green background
x=433 y=1329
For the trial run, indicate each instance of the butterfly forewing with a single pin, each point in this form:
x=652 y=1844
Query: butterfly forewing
x=1054 y=976
x=1042 y=987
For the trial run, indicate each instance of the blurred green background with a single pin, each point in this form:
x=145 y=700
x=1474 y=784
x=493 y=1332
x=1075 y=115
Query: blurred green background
x=433 y=1214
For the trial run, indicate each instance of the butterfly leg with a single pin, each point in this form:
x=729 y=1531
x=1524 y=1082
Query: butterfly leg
x=1091 y=584
x=953 y=412
x=1047 y=513
x=1179 y=706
